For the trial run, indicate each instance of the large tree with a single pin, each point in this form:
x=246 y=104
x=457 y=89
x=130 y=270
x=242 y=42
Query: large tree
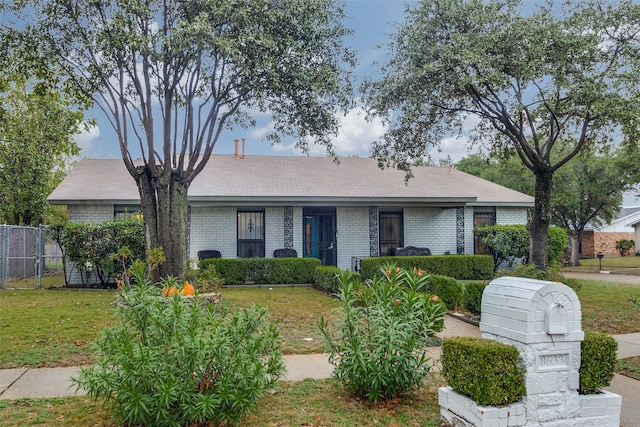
x=171 y=75
x=546 y=79
x=37 y=125
x=588 y=190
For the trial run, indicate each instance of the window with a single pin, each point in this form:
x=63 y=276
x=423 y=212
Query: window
x=481 y=218
x=250 y=234
x=391 y=227
x=127 y=212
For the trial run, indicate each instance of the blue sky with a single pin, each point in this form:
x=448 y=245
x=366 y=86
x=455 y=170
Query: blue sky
x=373 y=21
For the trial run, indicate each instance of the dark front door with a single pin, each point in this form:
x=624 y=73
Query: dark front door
x=319 y=234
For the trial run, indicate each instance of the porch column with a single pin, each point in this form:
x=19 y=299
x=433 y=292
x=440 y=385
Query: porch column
x=374 y=244
x=460 y=230
x=288 y=227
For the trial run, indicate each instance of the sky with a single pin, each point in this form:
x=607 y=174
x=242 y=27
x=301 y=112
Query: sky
x=373 y=22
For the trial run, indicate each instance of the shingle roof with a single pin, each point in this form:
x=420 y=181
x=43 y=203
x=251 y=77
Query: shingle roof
x=287 y=179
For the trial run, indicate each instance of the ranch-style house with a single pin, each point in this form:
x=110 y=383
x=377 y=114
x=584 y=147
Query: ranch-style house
x=337 y=211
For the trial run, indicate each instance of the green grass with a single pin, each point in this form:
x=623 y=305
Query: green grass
x=295 y=310
x=302 y=403
x=630 y=367
x=608 y=307
x=42 y=328
x=626 y=264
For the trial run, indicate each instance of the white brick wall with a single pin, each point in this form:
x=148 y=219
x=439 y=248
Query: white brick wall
x=213 y=228
x=90 y=213
x=511 y=216
x=352 y=234
x=469 y=247
x=274 y=230
x=432 y=228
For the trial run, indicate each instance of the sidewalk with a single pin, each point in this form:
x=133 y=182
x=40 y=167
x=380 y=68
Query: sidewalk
x=55 y=382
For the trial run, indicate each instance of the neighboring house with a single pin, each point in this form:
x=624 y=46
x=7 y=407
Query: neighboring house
x=603 y=239
x=335 y=211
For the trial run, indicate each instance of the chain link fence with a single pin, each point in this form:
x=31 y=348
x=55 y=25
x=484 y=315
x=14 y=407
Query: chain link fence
x=26 y=255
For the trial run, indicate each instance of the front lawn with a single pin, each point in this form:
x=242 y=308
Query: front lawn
x=301 y=403
x=44 y=328
x=608 y=307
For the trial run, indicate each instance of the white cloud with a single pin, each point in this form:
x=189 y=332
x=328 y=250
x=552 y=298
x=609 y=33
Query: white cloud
x=85 y=138
x=354 y=136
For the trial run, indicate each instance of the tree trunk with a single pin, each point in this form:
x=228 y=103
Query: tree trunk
x=539 y=223
x=574 y=243
x=164 y=207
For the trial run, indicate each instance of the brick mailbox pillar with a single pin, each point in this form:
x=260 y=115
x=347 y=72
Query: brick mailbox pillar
x=543 y=321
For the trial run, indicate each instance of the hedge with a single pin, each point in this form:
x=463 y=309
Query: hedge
x=238 y=271
x=472 y=297
x=461 y=267
x=327 y=279
x=485 y=370
x=598 y=361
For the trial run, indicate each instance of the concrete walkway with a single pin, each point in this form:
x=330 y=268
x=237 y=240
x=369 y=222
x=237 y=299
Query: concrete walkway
x=55 y=382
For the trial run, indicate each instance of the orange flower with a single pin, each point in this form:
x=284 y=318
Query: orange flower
x=435 y=298
x=169 y=291
x=188 y=289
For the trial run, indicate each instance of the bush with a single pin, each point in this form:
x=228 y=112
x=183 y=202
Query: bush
x=624 y=246
x=381 y=351
x=598 y=361
x=512 y=241
x=327 y=279
x=447 y=288
x=485 y=370
x=91 y=246
x=461 y=267
x=205 y=279
x=238 y=271
x=171 y=361
x=472 y=297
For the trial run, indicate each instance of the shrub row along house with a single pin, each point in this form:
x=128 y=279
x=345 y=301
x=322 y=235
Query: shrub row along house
x=339 y=212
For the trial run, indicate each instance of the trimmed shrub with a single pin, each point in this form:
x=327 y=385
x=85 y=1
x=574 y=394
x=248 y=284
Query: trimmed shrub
x=387 y=324
x=485 y=370
x=170 y=361
x=461 y=267
x=472 y=297
x=327 y=279
x=512 y=241
x=238 y=271
x=598 y=361
x=91 y=246
x=447 y=288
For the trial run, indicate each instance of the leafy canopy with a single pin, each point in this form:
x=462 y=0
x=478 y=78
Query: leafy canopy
x=542 y=83
x=37 y=125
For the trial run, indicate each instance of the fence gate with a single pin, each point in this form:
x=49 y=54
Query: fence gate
x=21 y=252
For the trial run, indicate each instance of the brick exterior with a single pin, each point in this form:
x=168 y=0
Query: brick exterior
x=510 y=216
x=274 y=230
x=602 y=241
x=214 y=228
x=352 y=237
x=439 y=229
x=90 y=213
